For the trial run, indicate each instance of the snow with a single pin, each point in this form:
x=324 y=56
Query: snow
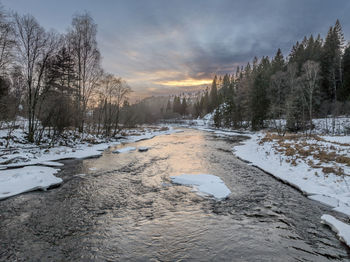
x=330 y=189
x=326 y=200
x=124 y=150
x=38 y=156
x=51 y=163
x=29 y=178
x=342 y=229
x=337 y=139
x=204 y=184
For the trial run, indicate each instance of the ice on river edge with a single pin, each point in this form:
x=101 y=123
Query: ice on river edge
x=204 y=184
x=124 y=150
x=25 y=179
x=19 y=180
x=342 y=229
x=330 y=190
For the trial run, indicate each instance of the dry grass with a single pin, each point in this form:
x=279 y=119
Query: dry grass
x=299 y=147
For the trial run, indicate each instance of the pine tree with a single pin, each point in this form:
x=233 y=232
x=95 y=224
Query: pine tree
x=206 y=105
x=225 y=86
x=344 y=92
x=168 y=106
x=278 y=62
x=184 y=106
x=213 y=95
x=331 y=69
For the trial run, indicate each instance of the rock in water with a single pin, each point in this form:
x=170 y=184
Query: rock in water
x=143 y=149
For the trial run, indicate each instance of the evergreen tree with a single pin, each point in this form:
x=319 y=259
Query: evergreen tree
x=206 y=105
x=259 y=104
x=331 y=63
x=184 y=106
x=344 y=92
x=278 y=62
x=213 y=95
x=225 y=86
x=168 y=106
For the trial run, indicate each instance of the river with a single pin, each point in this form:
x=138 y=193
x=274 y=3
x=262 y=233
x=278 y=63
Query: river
x=123 y=207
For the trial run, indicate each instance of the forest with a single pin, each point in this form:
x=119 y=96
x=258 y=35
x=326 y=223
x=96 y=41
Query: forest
x=56 y=81
x=312 y=82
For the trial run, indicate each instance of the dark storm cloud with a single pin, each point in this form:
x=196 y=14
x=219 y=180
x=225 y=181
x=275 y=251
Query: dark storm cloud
x=150 y=42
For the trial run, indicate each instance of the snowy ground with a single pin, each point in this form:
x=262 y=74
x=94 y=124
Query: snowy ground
x=30 y=167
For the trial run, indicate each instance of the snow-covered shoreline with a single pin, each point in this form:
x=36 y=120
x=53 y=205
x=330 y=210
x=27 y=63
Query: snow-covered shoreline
x=34 y=169
x=328 y=188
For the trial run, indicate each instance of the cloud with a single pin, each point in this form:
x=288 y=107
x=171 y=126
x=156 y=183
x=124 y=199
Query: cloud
x=168 y=46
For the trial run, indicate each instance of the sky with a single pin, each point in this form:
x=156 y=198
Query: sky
x=165 y=47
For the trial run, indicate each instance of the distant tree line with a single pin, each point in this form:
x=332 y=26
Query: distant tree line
x=55 y=81
x=313 y=81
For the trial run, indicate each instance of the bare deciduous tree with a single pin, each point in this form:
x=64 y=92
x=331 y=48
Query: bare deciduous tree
x=7 y=41
x=34 y=48
x=83 y=44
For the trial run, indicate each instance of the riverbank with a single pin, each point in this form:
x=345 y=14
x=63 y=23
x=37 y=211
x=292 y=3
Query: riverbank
x=28 y=167
x=317 y=165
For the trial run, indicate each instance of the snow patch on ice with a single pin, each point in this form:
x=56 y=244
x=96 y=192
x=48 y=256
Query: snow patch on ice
x=204 y=184
x=124 y=150
x=25 y=179
x=51 y=163
x=342 y=229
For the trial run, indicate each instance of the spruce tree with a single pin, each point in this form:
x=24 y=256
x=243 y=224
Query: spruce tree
x=344 y=92
x=168 y=106
x=184 y=106
x=278 y=62
x=213 y=95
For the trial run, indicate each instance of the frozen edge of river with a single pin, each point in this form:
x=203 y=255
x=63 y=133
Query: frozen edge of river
x=320 y=189
x=38 y=174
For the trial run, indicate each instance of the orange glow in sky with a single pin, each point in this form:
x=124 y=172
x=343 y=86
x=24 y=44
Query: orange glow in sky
x=186 y=82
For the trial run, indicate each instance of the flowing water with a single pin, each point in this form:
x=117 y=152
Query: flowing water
x=123 y=207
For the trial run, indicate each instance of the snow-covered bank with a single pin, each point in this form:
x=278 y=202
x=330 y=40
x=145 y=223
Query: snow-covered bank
x=18 y=155
x=29 y=178
x=316 y=166
x=204 y=184
x=310 y=169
